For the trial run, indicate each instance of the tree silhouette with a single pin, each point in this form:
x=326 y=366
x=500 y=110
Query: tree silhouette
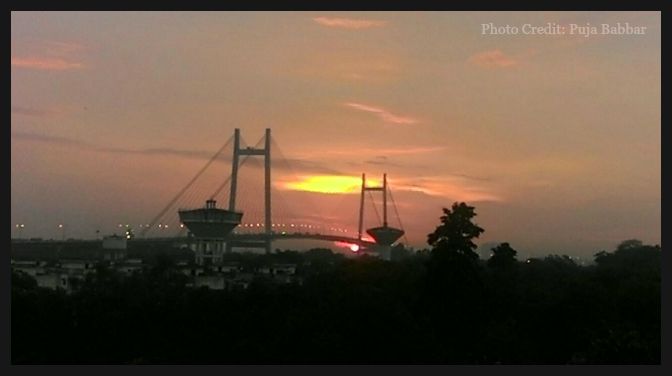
x=629 y=244
x=502 y=256
x=456 y=232
x=454 y=290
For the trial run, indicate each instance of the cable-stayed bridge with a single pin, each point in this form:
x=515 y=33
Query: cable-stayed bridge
x=260 y=212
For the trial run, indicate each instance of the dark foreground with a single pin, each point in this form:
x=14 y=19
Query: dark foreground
x=417 y=310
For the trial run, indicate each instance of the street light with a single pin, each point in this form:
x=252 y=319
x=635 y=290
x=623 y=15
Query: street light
x=62 y=227
x=20 y=227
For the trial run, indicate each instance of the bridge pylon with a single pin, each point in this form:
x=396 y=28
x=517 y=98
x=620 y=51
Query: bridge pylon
x=249 y=151
x=384 y=235
x=212 y=226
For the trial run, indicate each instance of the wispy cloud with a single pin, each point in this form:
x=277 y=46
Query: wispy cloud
x=382 y=113
x=42 y=63
x=50 y=139
x=406 y=150
x=362 y=151
x=493 y=59
x=381 y=160
x=349 y=23
x=305 y=165
x=58 y=140
x=370 y=154
x=36 y=112
x=361 y=66
x=47 y=55
x=161 y=151
x=453 y=187
x=55 y=48
x=287 y=164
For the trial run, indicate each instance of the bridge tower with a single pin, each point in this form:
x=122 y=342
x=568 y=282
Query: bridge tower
x=384 y=236
x=212 y=226
x=249 y=151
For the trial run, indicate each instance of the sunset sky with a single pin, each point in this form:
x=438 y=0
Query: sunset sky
x=555 y=139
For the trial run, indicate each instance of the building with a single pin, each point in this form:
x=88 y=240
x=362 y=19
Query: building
x=129 y=266
x=114 y=248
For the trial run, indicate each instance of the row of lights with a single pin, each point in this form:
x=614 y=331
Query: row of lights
x=61 y=226
x=292 y=225
x=160 y=225
x=21 y=226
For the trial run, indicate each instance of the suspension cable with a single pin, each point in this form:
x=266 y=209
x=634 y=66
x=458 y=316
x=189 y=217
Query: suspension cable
x=373 y=203
x=181 y=192
x=394 y=205
x=228 y=180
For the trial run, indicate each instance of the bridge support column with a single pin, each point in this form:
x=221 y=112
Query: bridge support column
x=361 y=209
x=385 y=252
x=384 y=200
x=208 y=251
x=234 y=170
x=267 y=189
x=249 y=151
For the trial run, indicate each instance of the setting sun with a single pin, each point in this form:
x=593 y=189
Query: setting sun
x=332 y=184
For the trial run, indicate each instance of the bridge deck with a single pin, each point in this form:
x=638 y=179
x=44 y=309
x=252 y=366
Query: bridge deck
x=231 y=237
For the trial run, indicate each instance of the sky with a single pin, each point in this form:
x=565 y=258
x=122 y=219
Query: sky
x=555 y=139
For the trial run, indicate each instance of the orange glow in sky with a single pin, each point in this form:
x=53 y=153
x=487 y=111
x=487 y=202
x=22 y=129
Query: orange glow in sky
x=423 y=97
x=333 y=184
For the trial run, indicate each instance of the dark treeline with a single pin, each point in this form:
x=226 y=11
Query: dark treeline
x=440 y=306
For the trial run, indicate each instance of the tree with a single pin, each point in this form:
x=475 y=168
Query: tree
x=631 y=255
x=456 y=232
x=23 y=281
x=454 y=286
x=502 y=256
x=629 y=244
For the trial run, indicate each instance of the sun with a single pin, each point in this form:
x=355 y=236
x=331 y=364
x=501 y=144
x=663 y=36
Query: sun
x=331 y=184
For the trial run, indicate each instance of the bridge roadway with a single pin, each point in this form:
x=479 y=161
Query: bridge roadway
x=301 y=235
x=254 y=239
x=237 y=239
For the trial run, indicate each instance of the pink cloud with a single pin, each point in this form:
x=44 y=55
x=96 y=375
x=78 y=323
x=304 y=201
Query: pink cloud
x=45 y=63
x=363 y=151
x=371 y=67
x=348 y=23
x=61 y=48
x=453 y=187
x=493 y=59
x=404 y=151
x=36 y=112
x=384 y=114
x=47 y=55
